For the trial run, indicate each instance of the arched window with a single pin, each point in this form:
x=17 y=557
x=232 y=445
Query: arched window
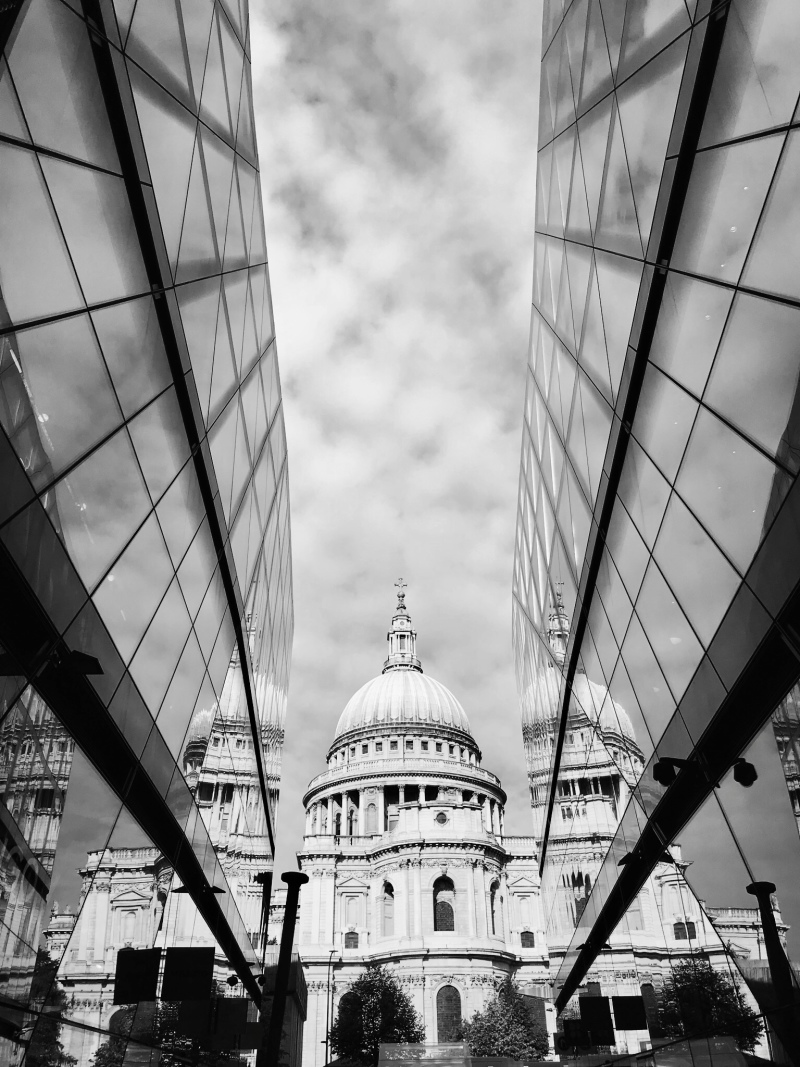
x=444 y=899
x=448 y=1013
x=351 y=940
x=351 y=911
x=352 y=822
x=372 y=819
x=650 y=998
x=350 y=1006
x=691 y=930
x=495 y=902
x=679 y=929
x=388 y=909
x=337 y=823
x=527 y=939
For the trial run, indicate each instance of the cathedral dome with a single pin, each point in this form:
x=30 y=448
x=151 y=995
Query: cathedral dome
x=403 y=696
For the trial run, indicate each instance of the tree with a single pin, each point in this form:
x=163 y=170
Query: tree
x=45 y=1048
x=374 y=1011
x=506 y=1027
x=702 y=1002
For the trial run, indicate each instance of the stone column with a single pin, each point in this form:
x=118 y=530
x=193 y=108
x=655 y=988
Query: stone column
x=102 y=894
x=309 y=809
x=381 y=810
x=487 y=822
x=471 y=916
x=316 y=895
x=362 y=813
x=479 y=891
x=417 y=876
x=402 y=791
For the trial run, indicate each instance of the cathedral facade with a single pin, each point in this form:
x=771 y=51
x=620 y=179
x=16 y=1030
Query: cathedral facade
x=408 y=862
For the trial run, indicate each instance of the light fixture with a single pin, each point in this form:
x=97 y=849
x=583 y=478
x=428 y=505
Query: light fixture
x=744 y=773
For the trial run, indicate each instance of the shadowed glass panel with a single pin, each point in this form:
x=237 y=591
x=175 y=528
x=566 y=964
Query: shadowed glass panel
x=101 y=503
x=54 y=72
x=168 y=131
x=774 y=261
x=69 y=389
x=755 y=375
x=96 y=217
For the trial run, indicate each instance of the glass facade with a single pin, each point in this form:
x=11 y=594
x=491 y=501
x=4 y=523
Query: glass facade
x=656 y=597
x=146 y=620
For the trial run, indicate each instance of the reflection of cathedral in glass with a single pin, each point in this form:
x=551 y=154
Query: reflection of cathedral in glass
x=35 y=762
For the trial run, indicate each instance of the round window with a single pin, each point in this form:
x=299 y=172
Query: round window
x=441 y=818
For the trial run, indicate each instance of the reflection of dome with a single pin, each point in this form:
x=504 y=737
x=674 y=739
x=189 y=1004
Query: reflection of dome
x=403 y=696
x=588 y=699
x=200 y=726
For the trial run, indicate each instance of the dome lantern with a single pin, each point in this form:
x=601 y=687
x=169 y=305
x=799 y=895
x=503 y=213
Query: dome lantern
x=401 y=637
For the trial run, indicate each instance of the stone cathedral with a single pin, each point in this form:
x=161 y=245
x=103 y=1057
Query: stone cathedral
x=407 y=859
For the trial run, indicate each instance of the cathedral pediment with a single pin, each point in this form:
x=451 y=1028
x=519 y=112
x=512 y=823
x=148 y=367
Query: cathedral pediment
x=352 y=883
x=131 y=896
x=522 y=883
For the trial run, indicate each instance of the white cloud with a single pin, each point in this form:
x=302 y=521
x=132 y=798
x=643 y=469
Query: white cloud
x=397 y=147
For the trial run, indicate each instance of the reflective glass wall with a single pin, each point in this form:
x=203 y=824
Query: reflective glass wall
x=146 y=619
x=657 y=563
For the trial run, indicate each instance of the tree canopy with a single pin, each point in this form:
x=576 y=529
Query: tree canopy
x=375 y=1010
x=506 y=1027
x=700 y=1001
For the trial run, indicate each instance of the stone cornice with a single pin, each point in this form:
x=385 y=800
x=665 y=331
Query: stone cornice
x=400 y=772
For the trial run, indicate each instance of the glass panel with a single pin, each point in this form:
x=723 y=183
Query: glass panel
x=728 y=485
x=664 y=418
x=617 y=226
x=619 y=281
x=690 y=324
x=180 y=512
x=37 y=273
x=593 y=137
x=96 y=217
x=644 y=492
x=54 y=72
x=774 y=262
x=11 y=120
x=235 y=299
x=646 y=107
x=154 y=42
x=157 y=656
x=159 y=437
x=101 y=503
x=197 y=567
x=168 y=131
x=700 y=576
x=197 y=257
x=131 y=591
x=756 y=79
x=213 y=103
x=724 y=200
x=197 y=21
x=223 y=380
x=130 y=337
x=69 y=389
x=199 y=304
x=675 y=645
x=759 y=394
x=649 y=26
x=222 y=439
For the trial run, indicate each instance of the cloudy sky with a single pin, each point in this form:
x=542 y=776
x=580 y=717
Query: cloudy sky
x=397 y=145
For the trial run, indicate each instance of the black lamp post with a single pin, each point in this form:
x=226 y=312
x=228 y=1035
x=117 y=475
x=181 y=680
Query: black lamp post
x=785 y=1018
